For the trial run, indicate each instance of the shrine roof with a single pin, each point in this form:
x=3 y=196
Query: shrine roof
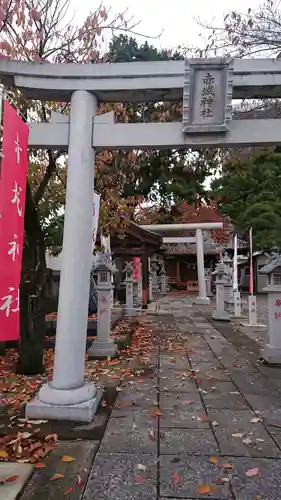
x=273 y=262
x=204 y=213
x=145 y=236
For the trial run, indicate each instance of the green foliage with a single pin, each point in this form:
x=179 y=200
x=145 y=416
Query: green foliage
x=168 y=175
x=249 y=192
x=164 y=177
x=126 y=49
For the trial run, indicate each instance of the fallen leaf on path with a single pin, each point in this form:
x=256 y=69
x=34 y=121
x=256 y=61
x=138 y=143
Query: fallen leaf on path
x=56 y=476
x=222 y=480
x=151 y=435
x=202 y=390
x=25 y=435
x=247 y=441
x=140 y=479
x=141 y=467
x=204 y=418
x=213 y=460
x=69 y=490
x=79 y=480
x=51 y=437
x=189 y=402
x=255 y=420
x=67 y=459
x=252 y=472
x=126 y=403
x=227 y=466
x=37 y=422
x=157 y=413
x=204 y=489
x=11 y=479
x=238 y=435
x=176 y=478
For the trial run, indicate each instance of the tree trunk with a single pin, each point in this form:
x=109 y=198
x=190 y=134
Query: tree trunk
x=32 y=331
x=32 y=292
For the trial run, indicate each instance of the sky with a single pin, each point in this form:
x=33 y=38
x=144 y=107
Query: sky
x=176 y=18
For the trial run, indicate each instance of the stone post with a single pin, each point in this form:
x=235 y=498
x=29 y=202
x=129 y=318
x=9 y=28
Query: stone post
x=163 y=283
x=67 y=396
x=150 y=291
x=104 y=345
x=136 y=295
x=202 y=297
x=155 y=283
x=115 y=270
x=140 y=286
x=252 y=304
x=137 y=285
x=128 y=309
x=237 y=304
x=163 y=279
x=220 y=313
x=209 y=287
x=208 y=279
x=272 y=351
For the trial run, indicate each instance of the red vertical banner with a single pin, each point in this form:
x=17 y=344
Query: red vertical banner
x=12 y=203
x=251 y=285
x=137 y=270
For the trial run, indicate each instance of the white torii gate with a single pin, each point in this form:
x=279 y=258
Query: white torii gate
x=83 y=133
x=202 y=291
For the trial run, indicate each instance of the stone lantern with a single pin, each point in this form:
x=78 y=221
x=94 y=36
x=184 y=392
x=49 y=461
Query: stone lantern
x=272 y=350
x=220 y=313
x=208 y=279
x=104 y=345
x=115 y=270
x=137 y=284
x=150 y=292
x=228 y=281
x=129 y=310
x=163 y=279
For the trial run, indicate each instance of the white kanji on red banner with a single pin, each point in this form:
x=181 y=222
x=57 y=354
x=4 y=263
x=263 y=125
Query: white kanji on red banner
x=8 y=300
x=18 y=149
x=16 y=199
x=14 y=250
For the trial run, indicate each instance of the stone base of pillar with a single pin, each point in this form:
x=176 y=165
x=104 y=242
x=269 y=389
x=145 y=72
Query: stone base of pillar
x=100 y=350
x=251 y=325
x=271 y=355
x=129 y=313
x=61 y=407
x=204 y=301
x=221 y=316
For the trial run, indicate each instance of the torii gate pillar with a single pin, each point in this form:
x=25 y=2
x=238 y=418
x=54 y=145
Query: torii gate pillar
x=67 y=396
x=202 y=297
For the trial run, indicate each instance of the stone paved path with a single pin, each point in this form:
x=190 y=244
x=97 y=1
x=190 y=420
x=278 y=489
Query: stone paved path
x=205 y=424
